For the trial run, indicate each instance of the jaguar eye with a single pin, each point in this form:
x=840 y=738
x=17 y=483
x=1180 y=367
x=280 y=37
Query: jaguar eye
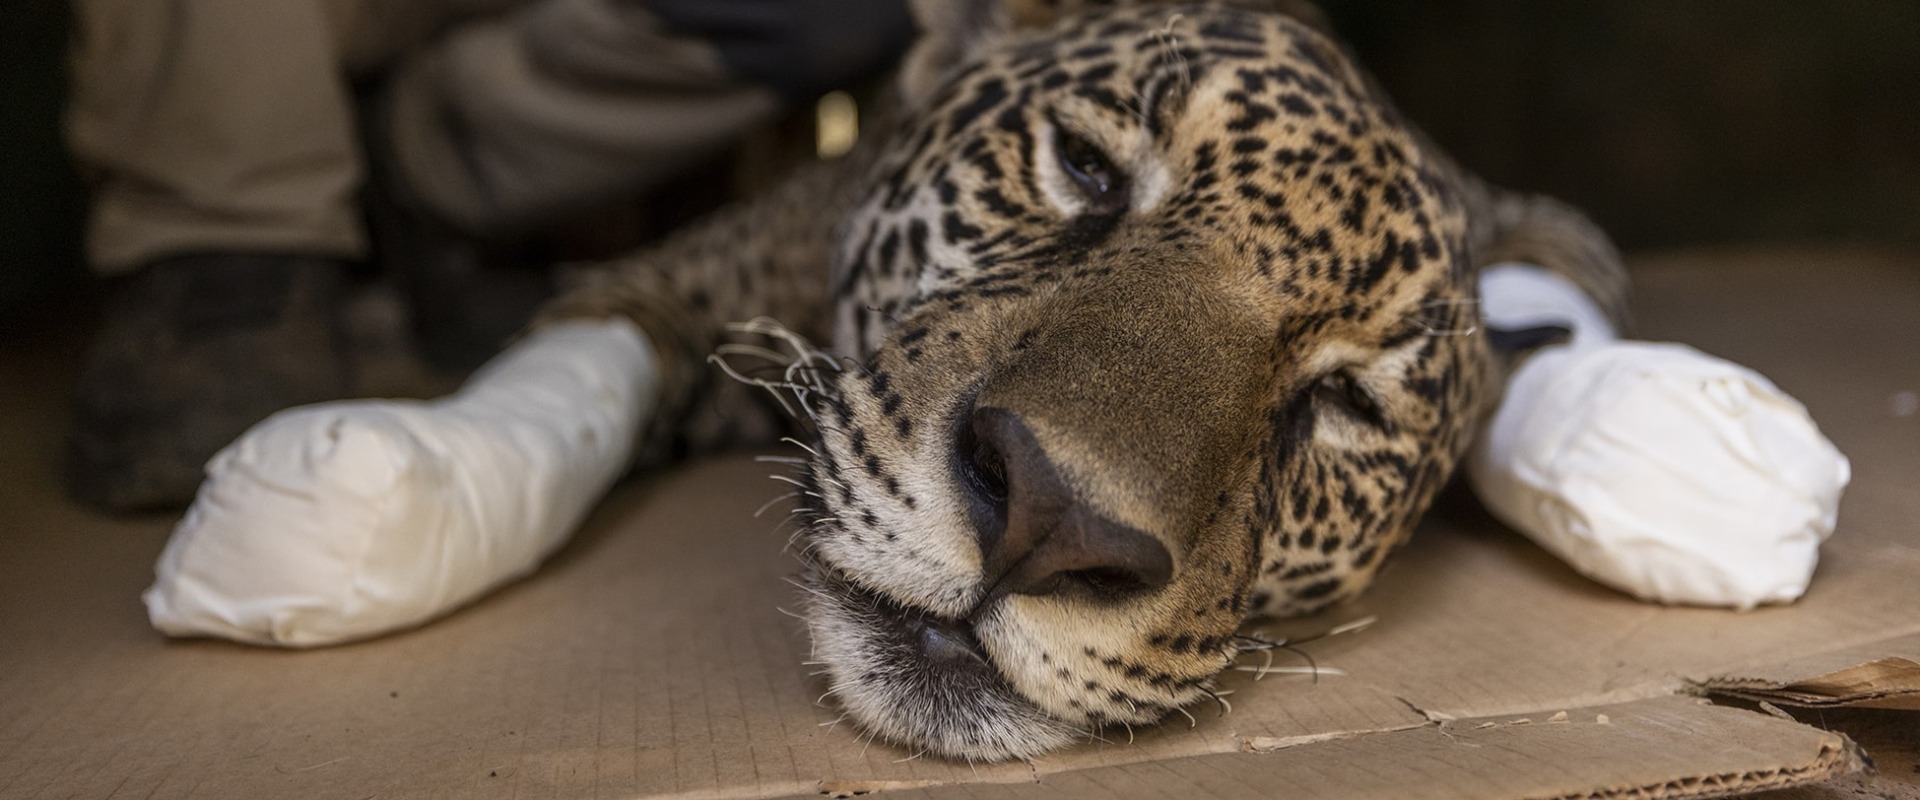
x=1104 y=185
x=1340 y=391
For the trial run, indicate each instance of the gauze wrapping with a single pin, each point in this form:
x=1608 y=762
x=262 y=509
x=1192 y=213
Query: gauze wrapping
x=340 y=521
x=1656 y=469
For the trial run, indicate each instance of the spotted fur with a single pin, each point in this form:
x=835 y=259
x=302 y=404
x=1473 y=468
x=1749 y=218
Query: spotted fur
x=1262 y=349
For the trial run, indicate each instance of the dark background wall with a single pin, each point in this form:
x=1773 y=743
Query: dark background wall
x=41 y=203
x=1673 y=122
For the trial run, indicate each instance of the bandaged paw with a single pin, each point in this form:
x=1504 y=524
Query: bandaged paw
x=340 y=521
x=1656 y=469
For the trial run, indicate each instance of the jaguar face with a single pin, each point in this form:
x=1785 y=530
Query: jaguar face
x=1164 y=320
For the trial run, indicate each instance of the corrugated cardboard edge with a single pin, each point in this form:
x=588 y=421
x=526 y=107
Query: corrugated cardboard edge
x=1672 y=748
x=1840 y=758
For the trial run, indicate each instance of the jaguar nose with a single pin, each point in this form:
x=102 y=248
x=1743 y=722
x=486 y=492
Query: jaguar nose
x=1037 y=536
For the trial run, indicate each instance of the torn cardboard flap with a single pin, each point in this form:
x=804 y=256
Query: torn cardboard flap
x=1891 y=682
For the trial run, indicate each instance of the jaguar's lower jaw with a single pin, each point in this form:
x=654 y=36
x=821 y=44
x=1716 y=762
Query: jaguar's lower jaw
x=919 y=682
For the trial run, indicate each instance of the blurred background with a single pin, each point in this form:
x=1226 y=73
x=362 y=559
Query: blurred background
x=1675 y=124
x=1707 y=121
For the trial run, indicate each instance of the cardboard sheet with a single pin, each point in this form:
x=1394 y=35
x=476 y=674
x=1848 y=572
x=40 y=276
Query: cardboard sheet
x=651 y=658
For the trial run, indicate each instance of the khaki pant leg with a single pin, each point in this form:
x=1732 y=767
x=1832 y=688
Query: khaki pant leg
x=212 y=125
x=509 y=121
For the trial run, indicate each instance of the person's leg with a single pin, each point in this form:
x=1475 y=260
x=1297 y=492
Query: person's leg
x=218 y=139
x=226 y=167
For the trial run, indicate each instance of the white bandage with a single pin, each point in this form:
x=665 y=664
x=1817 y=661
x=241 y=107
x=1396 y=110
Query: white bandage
x=1656 y=469
x=339 y=521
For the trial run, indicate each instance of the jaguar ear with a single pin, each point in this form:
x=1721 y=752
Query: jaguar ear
x=952 y=31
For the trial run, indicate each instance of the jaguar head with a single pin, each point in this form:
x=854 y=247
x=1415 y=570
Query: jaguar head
x=1164 y=319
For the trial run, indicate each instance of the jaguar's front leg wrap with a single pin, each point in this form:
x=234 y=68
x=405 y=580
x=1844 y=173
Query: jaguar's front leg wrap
x=340 y=521
x=1654 y=468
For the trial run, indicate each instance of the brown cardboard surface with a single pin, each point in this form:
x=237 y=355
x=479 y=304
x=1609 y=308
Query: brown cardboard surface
x=651 y=657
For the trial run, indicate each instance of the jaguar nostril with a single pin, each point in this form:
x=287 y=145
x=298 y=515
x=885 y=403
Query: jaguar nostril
x=1110 y=581
x=1037 y=535
x=982 y=468
x=1088 y=552
x=980 y=476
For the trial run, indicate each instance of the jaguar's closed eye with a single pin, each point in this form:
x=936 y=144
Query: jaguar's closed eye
x=1340 y=391
x=1102 y=183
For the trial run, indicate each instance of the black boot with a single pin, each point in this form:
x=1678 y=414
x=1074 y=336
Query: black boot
x=193 y=351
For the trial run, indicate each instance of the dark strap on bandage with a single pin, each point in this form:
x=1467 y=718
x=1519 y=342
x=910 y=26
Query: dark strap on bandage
x=1519 y=341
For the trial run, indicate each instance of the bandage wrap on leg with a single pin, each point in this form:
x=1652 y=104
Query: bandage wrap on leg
x=340 y=521
x=1653 y=468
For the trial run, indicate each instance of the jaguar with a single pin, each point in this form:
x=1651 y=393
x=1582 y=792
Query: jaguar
x=1146 y=319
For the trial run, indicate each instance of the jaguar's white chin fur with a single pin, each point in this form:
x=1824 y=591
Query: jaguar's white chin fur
x=920 y=682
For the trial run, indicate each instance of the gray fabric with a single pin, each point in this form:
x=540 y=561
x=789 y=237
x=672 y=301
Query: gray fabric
x=799 y=48
x=509 y=121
